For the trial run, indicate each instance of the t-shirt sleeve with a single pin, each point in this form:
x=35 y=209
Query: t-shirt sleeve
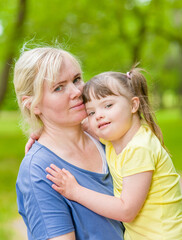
x=45 y=211
x=136 y=160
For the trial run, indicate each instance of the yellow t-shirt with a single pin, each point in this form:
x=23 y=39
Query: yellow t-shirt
x=161 y=216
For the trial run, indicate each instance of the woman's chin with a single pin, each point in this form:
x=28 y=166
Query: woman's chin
x=80 y=117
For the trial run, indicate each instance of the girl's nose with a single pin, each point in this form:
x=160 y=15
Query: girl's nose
x=99 y=115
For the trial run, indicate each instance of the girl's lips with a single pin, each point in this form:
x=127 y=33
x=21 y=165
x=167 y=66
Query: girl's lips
x=102 y=125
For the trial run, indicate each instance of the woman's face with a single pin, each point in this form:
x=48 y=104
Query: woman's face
x=62 y=103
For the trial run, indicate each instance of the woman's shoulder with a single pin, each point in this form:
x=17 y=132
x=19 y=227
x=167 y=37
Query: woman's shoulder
x=36 y=153
x=37 y=158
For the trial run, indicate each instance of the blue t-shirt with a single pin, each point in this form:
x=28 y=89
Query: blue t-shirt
x=48 y=214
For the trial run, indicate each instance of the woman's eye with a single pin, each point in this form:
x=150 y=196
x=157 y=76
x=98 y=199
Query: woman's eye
x=108 y=105
x=59 y=88
x=77 y=80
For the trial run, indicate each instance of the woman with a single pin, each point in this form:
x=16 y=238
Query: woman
x=48 y=84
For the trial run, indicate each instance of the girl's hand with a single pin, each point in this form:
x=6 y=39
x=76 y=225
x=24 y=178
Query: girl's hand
x=64 y=182
x=31 y=140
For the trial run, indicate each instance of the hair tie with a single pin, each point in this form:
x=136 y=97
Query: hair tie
x=128 y=75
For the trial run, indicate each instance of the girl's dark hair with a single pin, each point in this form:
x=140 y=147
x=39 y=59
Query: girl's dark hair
x=129 y=85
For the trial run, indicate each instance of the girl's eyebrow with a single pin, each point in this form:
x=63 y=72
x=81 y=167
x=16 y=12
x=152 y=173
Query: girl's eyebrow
x=89 y=108
x=102 y=102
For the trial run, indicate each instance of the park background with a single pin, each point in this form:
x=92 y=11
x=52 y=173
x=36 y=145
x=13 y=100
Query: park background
x=105 y=35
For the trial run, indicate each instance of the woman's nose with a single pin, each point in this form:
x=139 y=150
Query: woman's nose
x=75 y=91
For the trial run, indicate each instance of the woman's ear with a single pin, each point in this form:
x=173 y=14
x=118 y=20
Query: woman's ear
x=27 y=101
x=135 y=104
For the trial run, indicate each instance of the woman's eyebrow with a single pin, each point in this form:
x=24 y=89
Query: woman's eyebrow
x=77 y=75
x=66 y=80
x=58 y=83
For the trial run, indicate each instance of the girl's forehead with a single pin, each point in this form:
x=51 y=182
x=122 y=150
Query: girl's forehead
x=94 y=100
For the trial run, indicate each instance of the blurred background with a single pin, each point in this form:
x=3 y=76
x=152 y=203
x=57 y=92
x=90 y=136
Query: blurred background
x=105 y=35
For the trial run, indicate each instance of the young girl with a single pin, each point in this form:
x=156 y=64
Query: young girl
x=147 y=193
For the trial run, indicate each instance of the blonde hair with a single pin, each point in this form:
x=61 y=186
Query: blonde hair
x=129 y=85
x=31 y=70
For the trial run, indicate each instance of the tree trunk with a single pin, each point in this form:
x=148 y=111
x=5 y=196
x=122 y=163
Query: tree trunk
x=11 y=48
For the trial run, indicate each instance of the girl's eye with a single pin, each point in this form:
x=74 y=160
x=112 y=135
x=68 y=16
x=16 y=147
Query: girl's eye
x=108 y=105
x=59 y=88
x=91 y=114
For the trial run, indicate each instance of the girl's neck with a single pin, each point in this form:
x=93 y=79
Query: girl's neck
x=122 y=142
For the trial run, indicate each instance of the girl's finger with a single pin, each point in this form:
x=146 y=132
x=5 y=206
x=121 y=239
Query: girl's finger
x=28 y=145
x=51 y=171
x=35 y=136
x=67 y=173
x=58 y=189
x=55 y=168
x=57 y=181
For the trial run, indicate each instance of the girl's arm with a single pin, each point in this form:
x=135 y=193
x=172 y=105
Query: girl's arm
x=125 y=208
x=33 y=137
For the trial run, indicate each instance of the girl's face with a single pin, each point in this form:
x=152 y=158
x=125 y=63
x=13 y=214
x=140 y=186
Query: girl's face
x=110 y=117
x=62 y=103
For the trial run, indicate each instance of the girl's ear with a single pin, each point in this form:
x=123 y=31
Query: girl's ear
x=27 y=101
x=135 y=103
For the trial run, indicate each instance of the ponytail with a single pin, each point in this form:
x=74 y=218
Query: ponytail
x=138 y=85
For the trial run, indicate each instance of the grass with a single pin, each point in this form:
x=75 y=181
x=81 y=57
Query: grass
x=170 y=122
x=12 y=143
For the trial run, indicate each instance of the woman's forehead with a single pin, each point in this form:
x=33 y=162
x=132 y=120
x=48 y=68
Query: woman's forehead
x=68 y=70
x=69 y=65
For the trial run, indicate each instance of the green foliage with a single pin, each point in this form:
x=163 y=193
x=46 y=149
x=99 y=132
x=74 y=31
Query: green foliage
x=105 y=35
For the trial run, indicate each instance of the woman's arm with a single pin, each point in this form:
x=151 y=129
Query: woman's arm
x=125 y=208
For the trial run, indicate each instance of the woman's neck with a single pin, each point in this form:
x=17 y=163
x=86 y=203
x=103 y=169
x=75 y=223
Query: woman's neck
x=63 y=136
x=74 y=146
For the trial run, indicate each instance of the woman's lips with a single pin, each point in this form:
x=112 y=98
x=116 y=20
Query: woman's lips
x=78 y=106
